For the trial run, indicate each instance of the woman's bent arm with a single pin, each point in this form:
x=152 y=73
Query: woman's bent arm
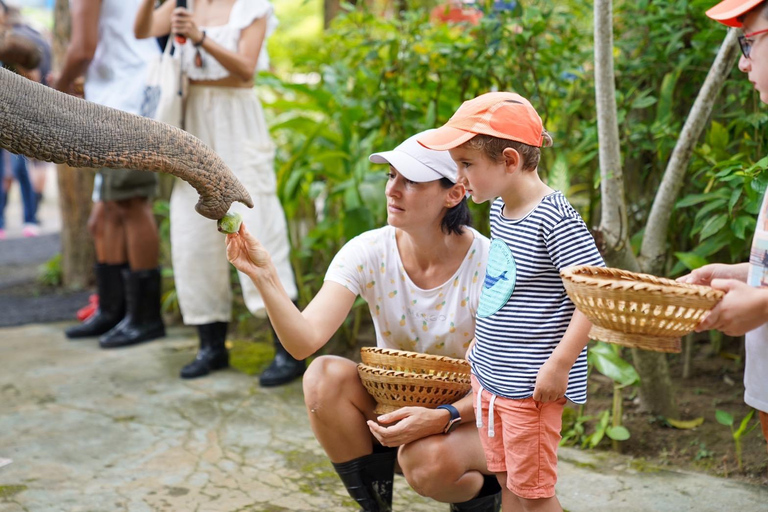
x=241 y=63
x=153 y=23
x=302 y=334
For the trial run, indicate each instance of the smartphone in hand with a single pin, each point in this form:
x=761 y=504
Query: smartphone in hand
x=181 y=3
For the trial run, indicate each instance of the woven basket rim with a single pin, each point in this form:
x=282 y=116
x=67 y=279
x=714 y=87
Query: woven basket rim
x=407 y=375
x=415 y=355
x=624 y=280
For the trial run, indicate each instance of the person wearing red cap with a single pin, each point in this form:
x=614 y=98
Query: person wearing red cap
x=744 y=309
x=530 y=351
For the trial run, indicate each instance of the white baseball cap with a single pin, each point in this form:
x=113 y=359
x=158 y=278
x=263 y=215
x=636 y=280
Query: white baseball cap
x=418 y=163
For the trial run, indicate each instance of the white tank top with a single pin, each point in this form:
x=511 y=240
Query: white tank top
x=117 y=74
x=242 y=15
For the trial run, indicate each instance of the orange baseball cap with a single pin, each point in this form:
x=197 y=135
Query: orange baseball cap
x=728 y=12
x=505 y=115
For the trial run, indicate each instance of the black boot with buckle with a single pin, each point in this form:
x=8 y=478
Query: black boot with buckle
x=369 y=479
x=284 y=367
x=487 y=500
x=213 y=354
x=111 y=290
x=143 y=321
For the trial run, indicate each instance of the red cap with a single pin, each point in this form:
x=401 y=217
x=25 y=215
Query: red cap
x=728 y=12
x=504 y=115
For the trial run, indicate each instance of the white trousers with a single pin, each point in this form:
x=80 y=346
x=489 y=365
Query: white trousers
x=231 y=121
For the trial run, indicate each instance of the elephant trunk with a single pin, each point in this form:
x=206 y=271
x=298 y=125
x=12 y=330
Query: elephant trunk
x=45 y=124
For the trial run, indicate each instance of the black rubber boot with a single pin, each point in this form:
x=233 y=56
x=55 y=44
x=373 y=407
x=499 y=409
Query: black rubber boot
x=368 y=479
x=142 y=321
x=284 y=367
x=213 y=354
x=111 y=289
x=488 y=500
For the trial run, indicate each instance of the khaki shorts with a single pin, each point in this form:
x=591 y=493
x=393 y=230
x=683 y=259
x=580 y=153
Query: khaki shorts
x=524 y=443
x=118 y=184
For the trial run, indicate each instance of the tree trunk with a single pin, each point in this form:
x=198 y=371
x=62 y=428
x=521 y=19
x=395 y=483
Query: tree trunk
x=653 y=252
x=75 y=187
x=655 y=383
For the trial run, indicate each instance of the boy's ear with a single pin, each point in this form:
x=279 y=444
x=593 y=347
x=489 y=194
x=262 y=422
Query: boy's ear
x=455 y=195
x=512 y=159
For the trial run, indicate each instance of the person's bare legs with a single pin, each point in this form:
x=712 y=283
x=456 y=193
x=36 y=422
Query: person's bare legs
x=338 y=407
x=140 y=232
x=510 y=502
x=106 y=228
x=447 y=468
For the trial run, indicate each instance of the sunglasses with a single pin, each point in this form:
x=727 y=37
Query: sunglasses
x=746 y=43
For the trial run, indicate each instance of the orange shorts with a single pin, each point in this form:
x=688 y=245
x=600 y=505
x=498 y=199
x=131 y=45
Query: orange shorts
x=523 y=441
x=764 y=423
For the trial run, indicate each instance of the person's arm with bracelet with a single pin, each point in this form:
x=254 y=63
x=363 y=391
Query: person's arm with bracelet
x=241 y=63
x=409 y=424
x=82 y=47
x=301 y=333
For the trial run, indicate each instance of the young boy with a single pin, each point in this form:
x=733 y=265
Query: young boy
x=744 y=309
x=530 y=354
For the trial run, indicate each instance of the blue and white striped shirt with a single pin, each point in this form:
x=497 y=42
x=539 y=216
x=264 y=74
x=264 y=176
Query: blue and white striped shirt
x=524 y=310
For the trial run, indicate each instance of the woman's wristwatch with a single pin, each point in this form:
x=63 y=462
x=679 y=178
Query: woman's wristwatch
x=453 y=421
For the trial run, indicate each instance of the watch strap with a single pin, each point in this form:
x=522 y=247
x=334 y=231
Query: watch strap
x=453 y=420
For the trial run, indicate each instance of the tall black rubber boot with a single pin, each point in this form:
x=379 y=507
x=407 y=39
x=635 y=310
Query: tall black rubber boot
x=142 y=321
x=111 y=289
x=368 y=479
x=284 y=367
x=488 y=500
x=213 y=354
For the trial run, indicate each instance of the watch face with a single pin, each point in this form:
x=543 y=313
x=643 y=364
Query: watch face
x=452 y=425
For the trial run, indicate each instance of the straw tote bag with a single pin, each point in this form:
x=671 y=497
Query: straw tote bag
x=166 y=88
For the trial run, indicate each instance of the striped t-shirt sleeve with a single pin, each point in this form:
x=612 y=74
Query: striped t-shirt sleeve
x=570 y=243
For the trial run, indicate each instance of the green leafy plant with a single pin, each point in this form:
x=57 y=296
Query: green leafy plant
x=727 y=419
x=49 y=273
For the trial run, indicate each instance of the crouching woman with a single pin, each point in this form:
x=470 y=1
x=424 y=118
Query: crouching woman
x=421 y=276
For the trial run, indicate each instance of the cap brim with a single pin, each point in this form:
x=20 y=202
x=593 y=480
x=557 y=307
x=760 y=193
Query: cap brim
x=406 y=165
x=728 y=12
x=445 y=138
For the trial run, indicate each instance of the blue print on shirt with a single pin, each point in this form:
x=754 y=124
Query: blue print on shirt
x=500 y=278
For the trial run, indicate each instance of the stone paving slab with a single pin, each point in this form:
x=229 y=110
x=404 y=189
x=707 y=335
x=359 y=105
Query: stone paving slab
x=93 y=431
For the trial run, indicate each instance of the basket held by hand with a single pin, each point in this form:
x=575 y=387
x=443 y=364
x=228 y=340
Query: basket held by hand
x=637 y=310
x=397 y=378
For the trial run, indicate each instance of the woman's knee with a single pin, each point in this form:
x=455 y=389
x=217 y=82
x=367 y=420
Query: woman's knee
x=327 y=380
x=428 y=465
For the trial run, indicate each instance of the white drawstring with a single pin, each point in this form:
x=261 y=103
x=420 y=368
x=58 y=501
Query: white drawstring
x=491 y=433
x=479 y=411
x=478 y=407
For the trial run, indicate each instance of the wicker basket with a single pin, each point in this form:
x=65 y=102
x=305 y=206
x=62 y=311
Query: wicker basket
x=637 y=310
x=396 y=378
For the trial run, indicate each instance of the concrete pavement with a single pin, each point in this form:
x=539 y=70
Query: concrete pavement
x=94 y=430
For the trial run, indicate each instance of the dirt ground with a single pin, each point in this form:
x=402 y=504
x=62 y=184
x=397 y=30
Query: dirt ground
x=716 y=383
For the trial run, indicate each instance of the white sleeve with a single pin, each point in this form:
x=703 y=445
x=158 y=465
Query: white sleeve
x=245 y=12
x=348 y=266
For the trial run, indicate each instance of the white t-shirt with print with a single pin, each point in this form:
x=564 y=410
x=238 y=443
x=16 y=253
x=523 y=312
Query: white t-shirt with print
x=440 y=321
x=756 y=365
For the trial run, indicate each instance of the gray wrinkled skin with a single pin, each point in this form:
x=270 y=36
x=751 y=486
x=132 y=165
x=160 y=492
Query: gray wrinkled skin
x=48 y=125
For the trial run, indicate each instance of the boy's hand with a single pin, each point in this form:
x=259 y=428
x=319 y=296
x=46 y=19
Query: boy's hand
x=246 y=253
x=743 y=308
x=551 y=382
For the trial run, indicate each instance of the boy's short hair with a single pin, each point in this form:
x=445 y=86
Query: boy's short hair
x=493 y=122
x=733 y=12
x=493 y=147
